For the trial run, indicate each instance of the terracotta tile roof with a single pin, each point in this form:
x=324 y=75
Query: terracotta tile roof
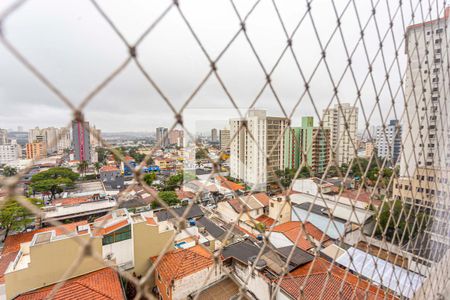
x=128 y=158
x=185 y=194
x=292 y=230
x=108 y=229
x=71 y=201
x=108 y=169
x=5 y=260
x=236 y=204
x=295 y=226
x=151 y=221
x=101 y=284
x=228 y=184
x=352 y=286
x=265 y=220
x=103 y=218
x=360 y=196
x=262 y=198
x=183 y=262
x=12 y=242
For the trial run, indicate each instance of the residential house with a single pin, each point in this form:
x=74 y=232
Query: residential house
x=182 y=272
x=36 y=259
x=321 y=279
x=251 y=206
x=112 y=177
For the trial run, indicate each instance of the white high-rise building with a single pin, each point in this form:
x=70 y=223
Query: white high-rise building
x=9 y=153
x=389 y=141
x=252 y=158
x=425 y=145
x=343 y=141
x=65 y=140
x=3 y=136
x=162 y=136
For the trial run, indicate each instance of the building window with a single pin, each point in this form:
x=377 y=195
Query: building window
x=117 y=236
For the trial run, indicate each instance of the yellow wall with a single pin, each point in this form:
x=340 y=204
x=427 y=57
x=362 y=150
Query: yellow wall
x=148 y=242
x=49 y=262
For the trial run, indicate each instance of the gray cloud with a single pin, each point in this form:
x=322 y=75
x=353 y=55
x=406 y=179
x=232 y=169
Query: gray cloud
x=76 y=49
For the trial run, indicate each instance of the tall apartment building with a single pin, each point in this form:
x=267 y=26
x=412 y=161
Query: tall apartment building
x=48 y=135
x=51 y=138
x=162 y=136
x=214 y=135
x=94 y=135
x=65 y=139
x=427 y=95
x=10 y=152
x=35 y=134
x=388 y=141
x=256 y=153
x=81 y=141
x=3 y=136
x=176 y=137
x=36 y=150
x=307 y=146
x=342 y=120
x=224 y=139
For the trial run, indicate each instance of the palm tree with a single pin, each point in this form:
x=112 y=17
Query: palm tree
x=97 y=166
x=82 y=167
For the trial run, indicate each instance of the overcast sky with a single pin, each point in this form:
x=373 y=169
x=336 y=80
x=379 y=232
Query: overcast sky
x=75 y=48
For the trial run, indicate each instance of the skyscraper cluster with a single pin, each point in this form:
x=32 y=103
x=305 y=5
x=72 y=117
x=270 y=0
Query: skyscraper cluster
x=263 y=145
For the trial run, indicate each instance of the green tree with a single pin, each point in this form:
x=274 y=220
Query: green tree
x=54 y=180
x=97 y=166
x=102 y=154
x=9 y=171
x=138 y=157
x=82 y=167
x=305 y=172
x=395 y=218
x=14 y=216
x=170 y=197
x=149 y=178
x=286 y=176
x=53 y=173
x=173 y=182
x=201 y=153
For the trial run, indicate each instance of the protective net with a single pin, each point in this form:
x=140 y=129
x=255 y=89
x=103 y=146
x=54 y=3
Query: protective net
x=330 y=181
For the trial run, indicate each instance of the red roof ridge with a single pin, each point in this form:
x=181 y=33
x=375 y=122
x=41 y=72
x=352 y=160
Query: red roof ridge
x=98 y=284
x=180 y=263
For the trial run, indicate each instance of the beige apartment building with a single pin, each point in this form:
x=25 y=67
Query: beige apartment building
x=41 y=258
x=224 y=139
x=257 y=152
x=36 y=150
x=343 y=137
x=423 y=189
